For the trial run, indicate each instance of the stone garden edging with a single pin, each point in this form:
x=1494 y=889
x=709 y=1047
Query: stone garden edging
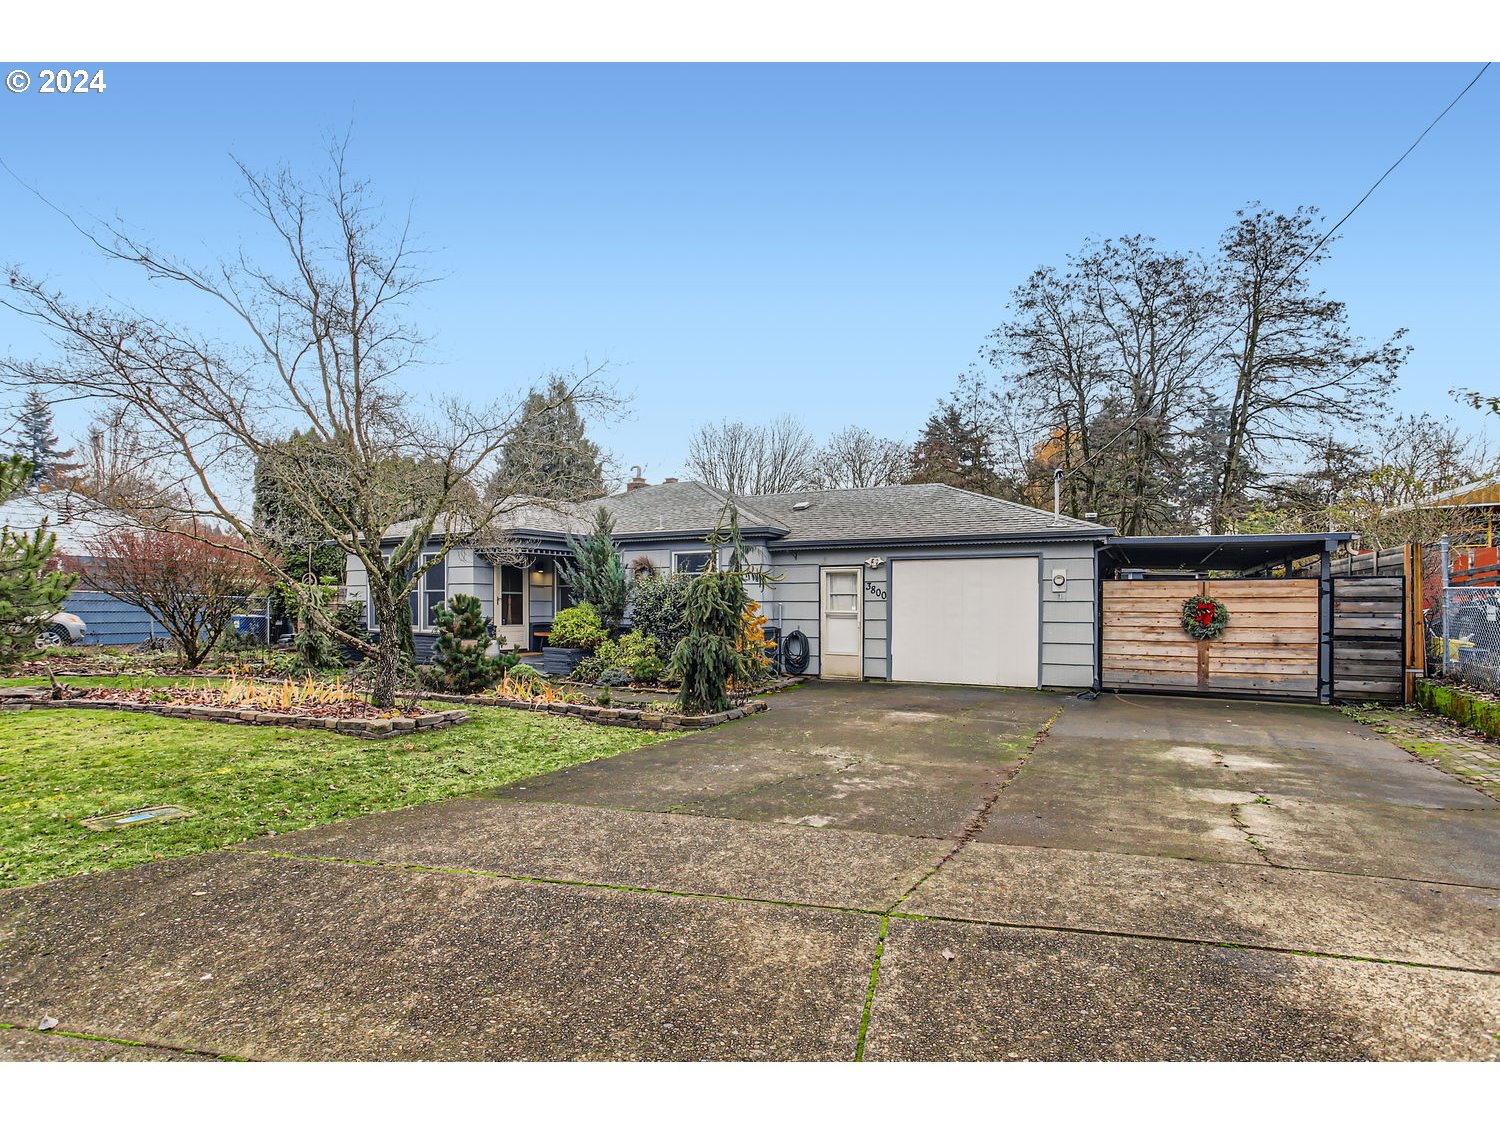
x=359 y=728
x=634 y=717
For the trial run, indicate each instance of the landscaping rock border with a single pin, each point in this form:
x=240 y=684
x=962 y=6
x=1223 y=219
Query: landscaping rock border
x=635 y=717
x=359 y=728
x=1462 y=705
x=644 y=689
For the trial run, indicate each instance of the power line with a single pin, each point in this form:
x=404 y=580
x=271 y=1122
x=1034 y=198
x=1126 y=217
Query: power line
x=1130 y=426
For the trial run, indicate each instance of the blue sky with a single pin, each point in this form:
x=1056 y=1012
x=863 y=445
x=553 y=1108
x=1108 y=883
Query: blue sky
x=741 y=240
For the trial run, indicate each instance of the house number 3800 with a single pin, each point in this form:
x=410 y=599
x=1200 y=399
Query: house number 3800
x=875 y=591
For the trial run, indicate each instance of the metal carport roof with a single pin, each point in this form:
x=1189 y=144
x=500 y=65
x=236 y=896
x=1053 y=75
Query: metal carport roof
x=1218 y=552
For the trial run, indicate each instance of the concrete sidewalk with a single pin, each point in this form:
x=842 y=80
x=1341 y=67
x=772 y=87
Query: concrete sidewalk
x=865 y=871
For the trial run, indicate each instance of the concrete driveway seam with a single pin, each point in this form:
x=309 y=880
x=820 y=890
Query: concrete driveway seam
x=65 y=1033
x=551 y=882
x=893 y=912
x=1177 y=939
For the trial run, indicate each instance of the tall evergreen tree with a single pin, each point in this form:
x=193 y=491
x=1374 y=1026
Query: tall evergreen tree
x=596 y=573
x=549 y=455
x=37 y=443
x=957 y=445
x=285 y=520
x=31 y=590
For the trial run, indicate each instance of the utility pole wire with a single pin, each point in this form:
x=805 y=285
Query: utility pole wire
x=1130 y=426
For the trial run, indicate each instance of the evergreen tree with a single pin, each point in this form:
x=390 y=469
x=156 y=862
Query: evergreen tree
x=549 y=455
x=30 y=593
x=597 y=575
x=37 y=443
x=711 y=659
x=459 y=663
x=284 y=520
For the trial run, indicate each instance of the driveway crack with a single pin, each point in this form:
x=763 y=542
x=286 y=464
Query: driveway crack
x=971 y=829
x=1236 y=813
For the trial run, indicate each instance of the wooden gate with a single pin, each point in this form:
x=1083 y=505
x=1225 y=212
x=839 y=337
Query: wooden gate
x=1270 y=646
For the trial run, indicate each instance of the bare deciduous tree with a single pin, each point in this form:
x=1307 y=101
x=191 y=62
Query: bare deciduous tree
x=1105 y=358
x=1290 y=368
x=325 y=351
x=1384 y=487
x=856 y=458
x=746 y=459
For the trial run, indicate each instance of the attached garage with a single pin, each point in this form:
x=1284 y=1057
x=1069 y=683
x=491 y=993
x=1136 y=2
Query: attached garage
x=966 y=621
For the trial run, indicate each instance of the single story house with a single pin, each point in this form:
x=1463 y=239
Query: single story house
x=917 y=582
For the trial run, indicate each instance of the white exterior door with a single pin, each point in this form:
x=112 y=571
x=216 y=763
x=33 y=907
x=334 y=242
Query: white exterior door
x=510 y=607
x=966 y=621
x=842 y=655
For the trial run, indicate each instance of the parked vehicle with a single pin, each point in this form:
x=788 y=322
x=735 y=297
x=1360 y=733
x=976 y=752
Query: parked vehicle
x=62 y=629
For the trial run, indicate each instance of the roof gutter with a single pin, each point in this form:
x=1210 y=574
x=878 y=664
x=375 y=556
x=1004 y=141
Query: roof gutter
x=1059 y=536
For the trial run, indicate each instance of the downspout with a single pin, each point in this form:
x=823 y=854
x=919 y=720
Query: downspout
x=1325 y=623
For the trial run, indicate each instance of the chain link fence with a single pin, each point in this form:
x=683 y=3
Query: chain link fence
x=1464 y=631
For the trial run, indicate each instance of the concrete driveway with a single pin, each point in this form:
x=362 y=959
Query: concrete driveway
x=872 y=871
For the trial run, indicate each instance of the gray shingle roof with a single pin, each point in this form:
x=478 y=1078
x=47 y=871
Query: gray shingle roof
x=910 y=511
x=856 y=515
x=685 y=506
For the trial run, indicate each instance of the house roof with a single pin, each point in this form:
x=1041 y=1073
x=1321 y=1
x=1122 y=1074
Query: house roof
x=913 y=512
x=685 y=506
x=902 y=512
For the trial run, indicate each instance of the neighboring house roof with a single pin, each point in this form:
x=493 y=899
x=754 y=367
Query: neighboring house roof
x=1479 y=494
x=60 y=513
x=925 y=512
x=901 y=512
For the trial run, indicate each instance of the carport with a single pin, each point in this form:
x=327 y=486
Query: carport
x=1276 y=642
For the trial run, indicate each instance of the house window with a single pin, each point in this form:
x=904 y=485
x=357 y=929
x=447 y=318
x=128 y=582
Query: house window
x=430 y=594
x=689 y=562
x=566 y=597
x=512 y=595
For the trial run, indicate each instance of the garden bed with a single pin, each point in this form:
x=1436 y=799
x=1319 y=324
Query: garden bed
x=342 y=717
x=639 y=718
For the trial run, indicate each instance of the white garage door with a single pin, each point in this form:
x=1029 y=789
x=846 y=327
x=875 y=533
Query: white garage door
x=966 y=621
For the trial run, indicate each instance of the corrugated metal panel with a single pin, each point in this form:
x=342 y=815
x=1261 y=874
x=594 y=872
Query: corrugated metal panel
x=110 y=621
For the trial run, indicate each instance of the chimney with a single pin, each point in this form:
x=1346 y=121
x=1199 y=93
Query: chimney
x=669 y=480
x=637 y=481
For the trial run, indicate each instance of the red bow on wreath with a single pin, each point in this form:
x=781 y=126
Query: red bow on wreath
x=1204 y=612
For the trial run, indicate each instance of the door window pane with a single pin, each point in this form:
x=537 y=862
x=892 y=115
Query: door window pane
x=510 y=609
x=843 y=591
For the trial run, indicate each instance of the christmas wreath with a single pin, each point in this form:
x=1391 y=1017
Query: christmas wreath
x=1204 y=618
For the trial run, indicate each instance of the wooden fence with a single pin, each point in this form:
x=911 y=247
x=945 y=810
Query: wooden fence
x=1270 y=646
x=1369 y=656
x=1377 y=640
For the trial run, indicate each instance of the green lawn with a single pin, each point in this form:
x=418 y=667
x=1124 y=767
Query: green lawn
x=57 y=767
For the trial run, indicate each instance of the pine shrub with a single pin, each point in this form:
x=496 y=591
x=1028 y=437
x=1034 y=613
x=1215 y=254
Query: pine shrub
x=459 y=663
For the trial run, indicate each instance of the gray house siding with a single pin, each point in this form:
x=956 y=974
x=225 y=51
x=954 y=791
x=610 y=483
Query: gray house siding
x=1067 y=616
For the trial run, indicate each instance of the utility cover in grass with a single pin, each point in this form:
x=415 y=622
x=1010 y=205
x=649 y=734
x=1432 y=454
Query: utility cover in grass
x=137 y=816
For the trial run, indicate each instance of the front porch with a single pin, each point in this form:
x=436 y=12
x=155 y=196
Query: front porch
x=521 y=595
